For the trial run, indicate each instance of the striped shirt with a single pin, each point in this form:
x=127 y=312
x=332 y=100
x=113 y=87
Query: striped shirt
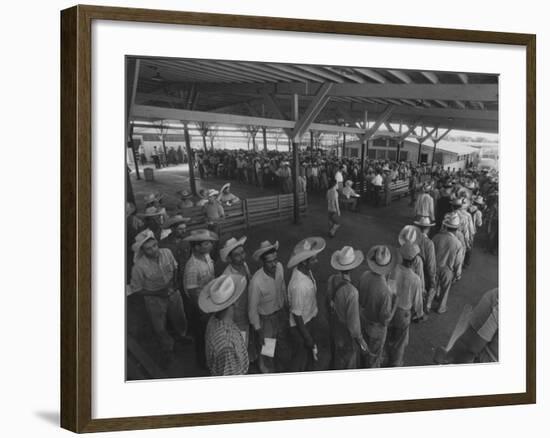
x=198 y=272
x=226 y=350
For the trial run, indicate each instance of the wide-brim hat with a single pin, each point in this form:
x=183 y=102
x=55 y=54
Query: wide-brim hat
x=479 y=200
x=265 y=246
x=346 y=259
x=221 y=292
x=212 y=192
x=225 y=186
x=176 y=220
x=381 y=259
x=229 y=246
x=201 y=236
x=427 y=187
x=424 y=221
x=451 y=220
x=152 y=197
x=349 y=182
x=306 y=248
x=141 y=238
x=152 y=211
x=185 y=193
x=409 y=233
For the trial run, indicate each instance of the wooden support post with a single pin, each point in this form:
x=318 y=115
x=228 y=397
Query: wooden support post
x=264 y=132
x=419 y=152
x=129 y=189
x=435 y=140
x=134 y=153
x=311 y=143
x=398 y=150
x=190 y=159
x=344 y=145
x=295 y=163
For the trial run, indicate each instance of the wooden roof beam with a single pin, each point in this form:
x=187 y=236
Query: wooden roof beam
x=371 y=74
x=312 y=111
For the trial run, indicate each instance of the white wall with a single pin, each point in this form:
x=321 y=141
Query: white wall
x=30 y=250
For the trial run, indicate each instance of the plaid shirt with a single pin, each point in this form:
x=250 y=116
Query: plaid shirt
x=226 y=350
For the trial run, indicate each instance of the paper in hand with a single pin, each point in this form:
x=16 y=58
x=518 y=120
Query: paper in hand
x=268 y=348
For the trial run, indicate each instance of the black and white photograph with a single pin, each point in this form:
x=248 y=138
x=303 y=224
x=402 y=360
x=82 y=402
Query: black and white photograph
x=285 y=218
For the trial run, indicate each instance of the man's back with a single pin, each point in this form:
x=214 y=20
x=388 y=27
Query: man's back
x=447 y=248
x=375 y=297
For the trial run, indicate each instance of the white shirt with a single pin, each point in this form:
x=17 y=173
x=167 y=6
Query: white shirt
x=338 y=177
x=302 y=297
x=377 y=180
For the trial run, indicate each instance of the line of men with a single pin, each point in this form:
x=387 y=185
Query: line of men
x=238 y=318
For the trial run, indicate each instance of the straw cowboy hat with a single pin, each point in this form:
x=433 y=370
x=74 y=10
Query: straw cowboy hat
x=460 y=202
x=229 y=246
x=152 y=197
x=176 y=220
x=479 y=200
x=152 y=211
x=265 y=246
x=409 y=250
x=221 y=292
x=409 y=233
x=424 y=221
x=305 y=249
x=201 y=236
x=349 y=183
x=212 y=192
x=225 y=186
x=382 y=259
x=346 y=259
x=451 y=220
x=141 y=238
x=385 y=168
x=427 y=187
x=185 y=193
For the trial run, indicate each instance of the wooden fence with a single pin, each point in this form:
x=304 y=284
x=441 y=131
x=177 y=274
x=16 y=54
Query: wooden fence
x=250 y=212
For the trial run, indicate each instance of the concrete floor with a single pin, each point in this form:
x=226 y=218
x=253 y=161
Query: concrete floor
x=371 y=226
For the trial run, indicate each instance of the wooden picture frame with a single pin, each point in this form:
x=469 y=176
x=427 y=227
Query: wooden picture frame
x=76 y=217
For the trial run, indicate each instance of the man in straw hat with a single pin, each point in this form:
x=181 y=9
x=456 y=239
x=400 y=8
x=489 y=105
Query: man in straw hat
x=302 y=297
x=153 y=219
x=225 y=347
x=133 y=226
x=267 y=303
x=427 y=253
x=350 y=196
x=214 y=211
x=448 y=253
x=478 y=341
x=234 y=254
x=199 y=271
x=153 y=276
x=475 y=210
x=174 y=242
x=425 y=203
x=408 y=292
x=460 y=206
x=186 y=201
x=343 y=303
x=226 y=197
x=333 y=209
x=410 y=234
x=377 y=301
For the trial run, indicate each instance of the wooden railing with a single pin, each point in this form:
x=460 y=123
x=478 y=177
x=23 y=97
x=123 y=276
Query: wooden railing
x=250 y=212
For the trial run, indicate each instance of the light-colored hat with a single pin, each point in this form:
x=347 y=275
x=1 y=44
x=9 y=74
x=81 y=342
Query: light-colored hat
x=152 y=211
x=141 y=238
x=201 y=235
x=176 y=220
x=221 y=292
x=470 y=185
x=229 y=246
x=265 y=246
x=152 y=197
x=451 y=220
x=213 y=192
x=409 y=250
x=427 y=187
x=385 y=168
x=409 y=233
x=130 y=208
x=424 y=221
x=185 y=193
x=479 y=200
x=225 y=186
x=305 y=249
x=349 y=183
x=382 y=259
x=346 y=259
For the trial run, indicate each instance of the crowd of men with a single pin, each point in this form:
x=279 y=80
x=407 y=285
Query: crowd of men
x=269 y=320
